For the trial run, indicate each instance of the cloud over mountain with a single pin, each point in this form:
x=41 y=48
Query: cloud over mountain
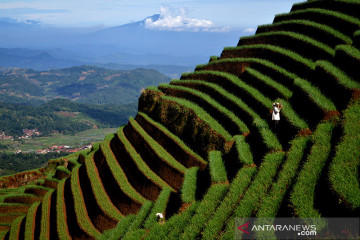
x=177 y=19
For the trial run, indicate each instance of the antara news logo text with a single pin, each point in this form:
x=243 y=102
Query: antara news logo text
x=302 y=230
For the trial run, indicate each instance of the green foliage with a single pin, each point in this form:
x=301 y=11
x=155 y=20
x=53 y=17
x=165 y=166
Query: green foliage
x=323 y=12
x=315 y=95
x=269 y=137
x=139 y=219
x=294 y=36
x=290 y=115
x=143 y=167
x=136 y=234
x=227 y=205
x=13 y=163
x=63 y=169
x=202 y=114
x=120 y=229
x=217 y=167
x=101 y=196
x=243 y=150
x=15 y=228
x=343 y=174
x=286 y=52
x=242 y=128
x=257 y=190
x=349 y=50
x=173 y=137
x=188 y=189
x=160 y=151
x=174 y=226
x=302 y=196
x=319 y=27
x=61 y=223
x=45 y=215
x=79 y=205
x=206 y=208
x=119 y=174
x=86 y=84
x=284 y=91
x=159 y=207
x=341 y=77
x=271 y=203
x=3 y=234
x=14 y=118
x=109 y=115
x=30 y=221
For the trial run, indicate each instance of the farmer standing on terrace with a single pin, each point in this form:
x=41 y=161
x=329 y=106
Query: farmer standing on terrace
x=276 y=114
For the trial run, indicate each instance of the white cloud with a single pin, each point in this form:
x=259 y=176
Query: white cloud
x=250 y=30
x=177 y=19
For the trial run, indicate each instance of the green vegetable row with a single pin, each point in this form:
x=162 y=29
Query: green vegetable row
x=344 y=167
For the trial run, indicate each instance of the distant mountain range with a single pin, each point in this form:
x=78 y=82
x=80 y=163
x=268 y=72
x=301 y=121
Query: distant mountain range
x=132 y=44
x=56 y=59
x=84 y=84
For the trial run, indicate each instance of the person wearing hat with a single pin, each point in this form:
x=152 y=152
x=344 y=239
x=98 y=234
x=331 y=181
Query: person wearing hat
x=276 y=114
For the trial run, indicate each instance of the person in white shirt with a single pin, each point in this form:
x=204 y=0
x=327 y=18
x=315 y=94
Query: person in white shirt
x=276 y=114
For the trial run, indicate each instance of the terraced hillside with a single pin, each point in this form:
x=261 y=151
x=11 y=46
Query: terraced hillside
x=202 y=149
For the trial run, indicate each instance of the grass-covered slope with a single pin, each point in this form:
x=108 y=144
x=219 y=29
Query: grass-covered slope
x=203 y=150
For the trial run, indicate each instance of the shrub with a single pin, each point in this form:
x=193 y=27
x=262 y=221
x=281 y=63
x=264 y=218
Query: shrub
x=189 y=125
x=342 y=22
x=285 y=52
x=142 y=166
x=79 y=205
x=268 y=136
x=100 y=194
x=217 y=167
x=257 y=190
x=45 y=216
x=188 y=189
x=174 y=226
x=243 y=150
x=233 y=124
x=302 y=195
x=340 y=76
x=159 y=207
x=15 y=228
x=270 y=82
x=227 y=205
x=160 y=151
x=206 y=208
x=265 y=102
x=30 y=220
x=319 y=47
x=201 y=113
x=118 y=172
x=271 y=203
x=136 y=234
x=139 y=219
x=188 y=152
x=344 y=167
x=315 y=95
x=61 y=223
x=120 y=229
x=316 y=28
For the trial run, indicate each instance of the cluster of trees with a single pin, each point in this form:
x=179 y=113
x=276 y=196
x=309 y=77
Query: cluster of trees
x=11 y=163
x=14 y=117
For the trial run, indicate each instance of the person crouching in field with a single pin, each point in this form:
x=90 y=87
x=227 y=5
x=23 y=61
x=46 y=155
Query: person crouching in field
x=276 y=114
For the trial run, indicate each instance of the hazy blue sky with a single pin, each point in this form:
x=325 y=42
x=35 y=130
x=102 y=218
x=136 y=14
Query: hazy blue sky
x=212 y=13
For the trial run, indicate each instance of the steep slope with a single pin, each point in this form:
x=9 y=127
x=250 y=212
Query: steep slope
x=202 y=150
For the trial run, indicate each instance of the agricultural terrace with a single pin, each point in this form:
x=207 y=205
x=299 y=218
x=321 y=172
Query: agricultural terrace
x=203 y=149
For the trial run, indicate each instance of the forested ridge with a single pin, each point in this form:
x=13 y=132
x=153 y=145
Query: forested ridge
x=51 y=117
